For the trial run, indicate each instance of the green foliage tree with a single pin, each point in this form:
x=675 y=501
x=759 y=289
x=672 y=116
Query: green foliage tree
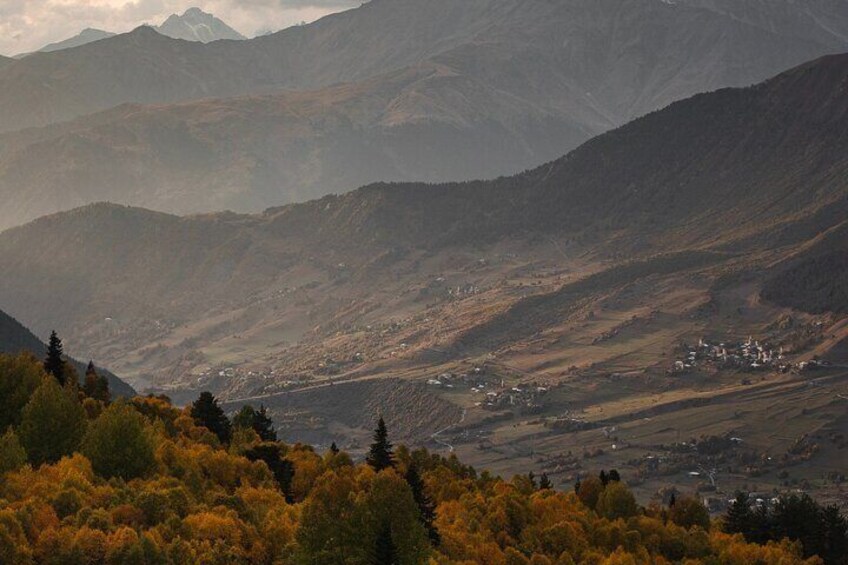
x=20 y=376
x=616 y=501
x=689 y=512
x=54 y=363
x=257 y=420
x=207 y=413
x=119 y=444
x=381 y=456
x=53 y=423
x=426 y=507
x=12 y=454
x=96 y=386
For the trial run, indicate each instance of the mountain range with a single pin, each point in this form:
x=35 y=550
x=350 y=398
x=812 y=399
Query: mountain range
x=193 y=25
x=450 y=91
x=750 y=177
x=15 y=338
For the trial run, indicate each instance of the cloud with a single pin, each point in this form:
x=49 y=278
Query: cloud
x=27 y=25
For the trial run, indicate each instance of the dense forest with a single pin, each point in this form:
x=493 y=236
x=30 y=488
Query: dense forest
x=88 y=480
x=816 y=285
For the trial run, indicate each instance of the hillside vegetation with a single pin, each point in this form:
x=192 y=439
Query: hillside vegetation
x=144 y=482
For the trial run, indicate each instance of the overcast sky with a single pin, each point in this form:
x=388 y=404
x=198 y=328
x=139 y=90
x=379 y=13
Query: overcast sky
x=27 y=25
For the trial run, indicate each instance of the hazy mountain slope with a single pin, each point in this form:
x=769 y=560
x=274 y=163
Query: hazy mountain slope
x=248 y=154
x=743 y=171
x=5 y=61
x=15 y=338
x=88 y=35
x=502 y=93
x=196 y=25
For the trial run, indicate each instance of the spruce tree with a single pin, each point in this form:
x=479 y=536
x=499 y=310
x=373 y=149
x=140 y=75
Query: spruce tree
x=54 y=364
x=835 y=536
x=96 y=386
x=604 y=478
x=207 y=413
x=264 y=426
x=577 y=486
x=614 y=476
x=385 y=551
x=381 y=456
x=334 y=449
x=545 y=482
x=426 y=507
x=739 y=518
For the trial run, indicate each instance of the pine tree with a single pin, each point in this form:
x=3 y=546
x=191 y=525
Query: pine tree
x=207 y=413
x=614 y=476
x=381 y=456
x=577 y=486
x=54 y=364
x=739 y=518
x=385 y=551
x=672 y=502
x=604 y=478
x=264 y=426
x=531 y=477
x=283 y=469
x=426 y=507
x=835 y=536
x=334 y=449
x=96 y=386
x=545 y=482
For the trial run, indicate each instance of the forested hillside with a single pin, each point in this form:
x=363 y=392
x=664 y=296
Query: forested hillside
x=83 y=480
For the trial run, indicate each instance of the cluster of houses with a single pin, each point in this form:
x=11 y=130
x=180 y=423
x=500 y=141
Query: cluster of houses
x=750 y=355
x=495 y=394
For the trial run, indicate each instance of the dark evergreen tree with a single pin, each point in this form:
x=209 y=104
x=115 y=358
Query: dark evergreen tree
x=739 y=518
x=54 y=364
x=672 y=501
x=244 y=417
x=604 y=478
x=207 y=413
x=799 y=518
x=531 y=476
x=426 y=507
x=545 y=482
x=283 y=469
x=96 y=386
x=614 y=476
x=835 y=550
x=334 y=449
x=264 y=426
x=577 y=486
x=381 y=455
x=385 y=551
x=762 y=526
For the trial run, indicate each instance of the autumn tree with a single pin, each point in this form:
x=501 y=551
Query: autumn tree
x=208 y=413
x=689 y=512
x=52 y=424
x=119 y=444
x=381 y=455
x=616 y=501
